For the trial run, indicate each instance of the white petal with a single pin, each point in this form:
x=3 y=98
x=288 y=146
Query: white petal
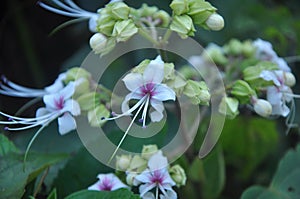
x=133 y=81
x=93 y=23
x=156 y=115
x=49 y=101
x=57 y=86
x=274 y=96
x=280 y=109
x=149 y=195
x=72 y=106
x=282 y=64
x=144 y=177
x=170 y=194
x=67 y=91
x=66 y=123
x=270 y=76
x=154 y=72
x=162 y=93
x=157 y=161
x=125 y=106
x=143 y=189
x=41 y=112
x=95 y=186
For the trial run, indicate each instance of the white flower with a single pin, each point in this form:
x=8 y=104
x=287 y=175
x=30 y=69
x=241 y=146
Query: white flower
x=156 y=176
x=107 y=182
x=279 y=94
x=12 y=89
x=148 y=89
x=58 y=105
x=264 y=51
x=70 y=9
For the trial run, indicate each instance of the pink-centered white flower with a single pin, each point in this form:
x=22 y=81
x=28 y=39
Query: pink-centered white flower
x=264 y=51
x=10 y=88
x=58 y=105
x=107 y=182
x=70 y=9
x=280 y=94
x=156 y=177
x=148 y=89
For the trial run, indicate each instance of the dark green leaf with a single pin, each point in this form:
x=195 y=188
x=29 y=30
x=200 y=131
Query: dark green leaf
x=52 y=195
x=13 y=175
x=120 y=193
x=6 y=146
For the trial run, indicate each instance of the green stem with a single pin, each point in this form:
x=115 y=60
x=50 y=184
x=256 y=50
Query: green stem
x=148 y=37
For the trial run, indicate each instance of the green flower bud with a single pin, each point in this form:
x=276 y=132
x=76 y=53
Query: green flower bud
x=82 y=87
x=123 y=30
x=98 y=42
x=229 y=107
x=105 y=22
x=95 y=115
x=198 y=92
x=141 y=67
x=248 y=49
x=215 y=53
x=252 y=74
x=88 y=101
x=138 y=164
x=164 y=18
x=177 y=84
x=123 y=162
x=290 y=79
x=215 y=22
x=169 y=72
x=76 y=73
x=183 y=25
x=234 y=47
x=146 y=11
x=262 y=107
x=242 y=91
x=187 y=71
x=120 y=11
x=148 y=151
x=180 y=7
x=130 y=178
x=178 y=175
x=200 y=11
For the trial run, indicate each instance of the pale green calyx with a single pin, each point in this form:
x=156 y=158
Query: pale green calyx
x=234 y=47
x=137 y=164
x=88 y=101
x=123 y=162
x=242 y=91
x=76 y=73
x=248 y=49
x=177 y=173
x=215 y=22
x=123 y=30
x=183 y=25
x=164 y=18
x=96 y=114
x=198 y=92
x=200 y=11
x=229 y=107
x=262 y=107
x=148 y=151
x=180 y=7
x=119 y=10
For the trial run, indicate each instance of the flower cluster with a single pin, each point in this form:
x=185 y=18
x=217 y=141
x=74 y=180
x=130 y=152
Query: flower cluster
x=150 y=172
x=254 y=76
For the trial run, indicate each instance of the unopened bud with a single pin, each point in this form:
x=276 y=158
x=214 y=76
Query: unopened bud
x=178 y=175
x=98 y=42
x=148 y=151
x=123 y=162
x=130 y=179
x=215 y=22
x=262 y=107
x=290 y=79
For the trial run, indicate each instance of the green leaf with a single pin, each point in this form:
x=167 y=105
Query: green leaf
x=80 y=172
x=120 y=193
x=248 y=145
x=6 y=146
x=52 y=195
x=285 y=183
x=13 y=175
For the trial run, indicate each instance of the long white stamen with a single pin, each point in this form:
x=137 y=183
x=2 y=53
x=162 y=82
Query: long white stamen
x=291 y=118
x=291 y=95
x=129 y=112
x=18 y=87
x=144 y=115
x=73 y=5
x=26 y=119
x=127 y=130
x=156 y=193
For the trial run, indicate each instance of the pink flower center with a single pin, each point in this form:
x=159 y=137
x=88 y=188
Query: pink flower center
x=106 y=184
x=157 y=177
x=59 y=103
x=148 y=89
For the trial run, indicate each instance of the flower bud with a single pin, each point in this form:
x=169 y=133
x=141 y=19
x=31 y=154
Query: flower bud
x=138 y=164
x=95 y=115
x=262 y=107
x=82 y=86
x=164 y=18
x=200 y=11
x=177 y=84
x=148 y=151
x=178 y=175
x=120 y=11
x=197 y=92
x=130 y=179
x=146 y=11
x=88 y=101
x=183 y=25
x=123 y=30
x=76 y=73
x=229 y=107
x=248 y=49
x=242 y=91
x=234 y=47
x=123 y=162
x=290 y=79
x=179 y=7
x=215 y=22
x=98 y=42
x=215 y=53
